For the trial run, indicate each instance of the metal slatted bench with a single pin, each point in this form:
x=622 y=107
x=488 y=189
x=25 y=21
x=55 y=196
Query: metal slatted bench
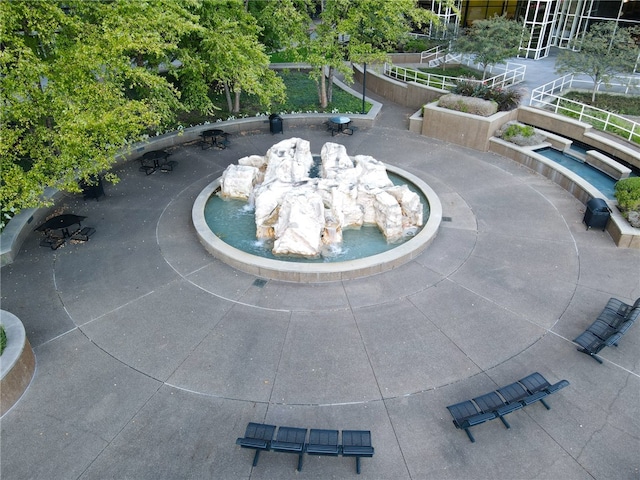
x=257 y=436
x=530 y=389
x=606 y=330
x=291 y=440
x=355 y=443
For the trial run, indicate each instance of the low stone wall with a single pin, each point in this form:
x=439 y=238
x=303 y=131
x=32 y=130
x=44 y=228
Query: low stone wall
x=17 y=363
x=559 y=143
x=622 y=233
x=616 y=147
x=471 y=131
x=607 y=165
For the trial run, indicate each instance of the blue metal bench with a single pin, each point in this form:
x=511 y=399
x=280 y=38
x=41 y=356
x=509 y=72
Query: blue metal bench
x=612 y=323
x=530 y=389
x=257 y=436
x=355 y=443
x=291 y=440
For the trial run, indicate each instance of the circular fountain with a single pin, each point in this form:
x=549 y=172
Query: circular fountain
x=307 y=270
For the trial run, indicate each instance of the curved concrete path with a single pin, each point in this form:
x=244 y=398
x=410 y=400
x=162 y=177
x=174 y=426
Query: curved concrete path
x=152 y=355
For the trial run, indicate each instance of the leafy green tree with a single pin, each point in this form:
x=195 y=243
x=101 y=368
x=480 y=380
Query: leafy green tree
x=492 y=41
x=284 y=24
x=361 y=31
x=605 y=51
x=231 y=55
x=79 y=81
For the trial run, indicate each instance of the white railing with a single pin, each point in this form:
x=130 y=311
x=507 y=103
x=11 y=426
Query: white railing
x=432 y=52
x=545 y=97
x=443 y=82
x=513 y=74
x=622 y=84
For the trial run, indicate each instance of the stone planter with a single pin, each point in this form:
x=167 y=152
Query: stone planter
x=464 y=129
x=17 y=363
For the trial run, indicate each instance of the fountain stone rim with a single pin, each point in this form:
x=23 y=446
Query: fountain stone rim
x=319 y=272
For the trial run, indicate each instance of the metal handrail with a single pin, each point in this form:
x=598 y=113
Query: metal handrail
x=428 y=53
x=545 y=97
x=511 y=76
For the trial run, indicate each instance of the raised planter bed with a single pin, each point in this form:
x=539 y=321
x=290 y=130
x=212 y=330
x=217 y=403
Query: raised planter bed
x=17 y=364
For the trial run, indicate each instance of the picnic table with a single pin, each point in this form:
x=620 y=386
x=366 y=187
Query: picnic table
x=340 y=124
x=214 y=138
x=154 y=159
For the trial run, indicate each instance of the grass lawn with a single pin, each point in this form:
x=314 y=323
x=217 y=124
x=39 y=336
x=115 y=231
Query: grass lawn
x=618 y=126
x=454 y=71
x=302 y=96
x=620 y=104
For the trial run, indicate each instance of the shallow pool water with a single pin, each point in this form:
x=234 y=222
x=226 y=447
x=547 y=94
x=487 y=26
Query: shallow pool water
x=595 y=177
x=232 y=221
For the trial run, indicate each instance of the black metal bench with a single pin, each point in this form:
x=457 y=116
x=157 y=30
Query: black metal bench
x=257 y=436
x=612 y=323
x=355 y=443
x=168 y=166
x=291 y=440
x=530 y=389
x=84 y=234
x=52 y=242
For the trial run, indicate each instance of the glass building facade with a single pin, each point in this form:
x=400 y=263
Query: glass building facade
x=550 y=23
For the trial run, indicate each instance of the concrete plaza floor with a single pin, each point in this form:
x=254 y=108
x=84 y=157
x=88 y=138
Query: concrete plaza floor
x=152 y=355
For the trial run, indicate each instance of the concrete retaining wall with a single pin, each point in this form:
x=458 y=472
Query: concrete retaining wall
x=408 y=94
x=471 y=131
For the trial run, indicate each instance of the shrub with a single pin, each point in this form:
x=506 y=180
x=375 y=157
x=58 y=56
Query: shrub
x=518 y=129
x=520 y=134
x=627 y=193
x=465 y=87
x=3 y=339
x=414 y=45
x=506 y=98
x=475 y=106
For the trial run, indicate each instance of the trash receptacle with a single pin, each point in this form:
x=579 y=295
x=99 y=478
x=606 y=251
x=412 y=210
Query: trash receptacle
x=597 y=214
x=275 y=123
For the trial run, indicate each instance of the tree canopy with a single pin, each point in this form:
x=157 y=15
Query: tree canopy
x=361 y=31
x=492 y=41
x=605 y=51
x=80 y=81
x=77 y=83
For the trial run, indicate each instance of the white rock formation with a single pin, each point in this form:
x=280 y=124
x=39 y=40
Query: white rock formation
x=300 y=224
x=238 y=181
x=289 y=161
x=305 y=215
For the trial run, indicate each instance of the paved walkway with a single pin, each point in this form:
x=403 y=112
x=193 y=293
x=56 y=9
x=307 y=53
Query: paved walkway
x=152 y=356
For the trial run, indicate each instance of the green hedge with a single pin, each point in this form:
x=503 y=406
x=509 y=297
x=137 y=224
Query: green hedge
x=3 y=339
x=627 y=193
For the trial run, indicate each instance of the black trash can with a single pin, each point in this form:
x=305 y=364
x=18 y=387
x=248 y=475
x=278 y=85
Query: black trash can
x=597 y=214
x=275 y=123
x=92 y=189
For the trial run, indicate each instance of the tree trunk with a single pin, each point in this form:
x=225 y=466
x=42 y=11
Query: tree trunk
x=236 y=107
x=227 y=94
x=323 y=90
x=330 y=85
